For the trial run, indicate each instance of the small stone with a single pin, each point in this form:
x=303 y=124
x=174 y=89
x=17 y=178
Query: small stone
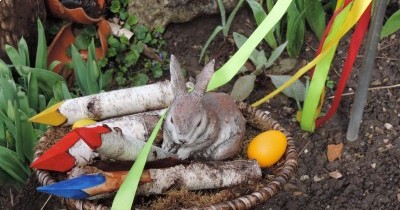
x=398 y=197
x=297 y=193
x=385 y=141
x=304 y=177
x=373 y=165
x=318 y=178
x=379 y=130
x=335 y=174
x=388 y=126
x=393 y=36
x=389 y=146
x=305 y=151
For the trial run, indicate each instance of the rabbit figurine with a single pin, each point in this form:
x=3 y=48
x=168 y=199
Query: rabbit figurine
x=201 y=125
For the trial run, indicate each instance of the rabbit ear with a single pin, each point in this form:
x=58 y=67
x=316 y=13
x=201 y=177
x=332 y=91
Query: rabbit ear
x=177 y=79
x=204 y=77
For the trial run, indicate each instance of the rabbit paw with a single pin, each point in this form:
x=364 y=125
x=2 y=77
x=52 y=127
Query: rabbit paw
x=184 y=153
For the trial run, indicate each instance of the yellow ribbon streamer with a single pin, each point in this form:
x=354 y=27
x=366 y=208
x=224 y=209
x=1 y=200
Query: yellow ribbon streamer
x=358 y=8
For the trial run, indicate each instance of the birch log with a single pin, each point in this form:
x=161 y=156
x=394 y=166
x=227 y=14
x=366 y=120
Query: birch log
x=198 y=176
x=127 y=137
x=118 y=102
x=194 y=176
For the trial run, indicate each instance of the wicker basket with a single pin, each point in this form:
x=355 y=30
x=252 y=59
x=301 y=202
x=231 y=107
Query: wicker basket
x=282 y=172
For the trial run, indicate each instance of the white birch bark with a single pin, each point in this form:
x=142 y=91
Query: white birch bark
x=127 y=137
x=198 y=176
x=118 y=102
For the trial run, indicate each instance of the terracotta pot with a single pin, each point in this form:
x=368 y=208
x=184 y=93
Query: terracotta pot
x=75 y=15
x=65 y=37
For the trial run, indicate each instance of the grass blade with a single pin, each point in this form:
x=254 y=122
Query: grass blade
x=231 y=16
x=212 y=36
x=222 y=12
x=295 y=30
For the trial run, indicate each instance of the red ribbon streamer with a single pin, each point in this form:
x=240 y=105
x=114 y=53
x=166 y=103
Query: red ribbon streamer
x=354 y=47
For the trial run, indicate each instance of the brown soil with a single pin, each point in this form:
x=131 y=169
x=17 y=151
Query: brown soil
x=369 y=166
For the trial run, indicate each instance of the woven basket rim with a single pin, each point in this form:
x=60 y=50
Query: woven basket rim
x=283 y=173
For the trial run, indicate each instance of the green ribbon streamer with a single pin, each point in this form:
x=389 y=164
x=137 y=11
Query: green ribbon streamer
x=126 y=194
x=231 y=68
x=320 y=74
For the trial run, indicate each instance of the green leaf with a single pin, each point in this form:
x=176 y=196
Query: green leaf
x=315 y=16
x=14 y=56
x=80 y=70
x=157 y=70
x=45 y=78
x=124 y=40
x=60 y=91
x=296 y=91
x=23 y=51
x=132 y=20
x=113 y=42
x=9 y=123
x=131 y=58
x=19 y=148
x=12 y=165
x=123 y=15
x=53 y=64
x=111 y=52
x=82 y=41
x=391 y=25
x=243 y=87
x=41 y=51
x=33 y=91
x=6 y=179
x=24 y=103
x=2 y=130
x=140 y=79
x=230 y=18
x=209 y=40
x=275 y=55
x=106 y=79
x=140 y=32
x=4 y=70
x=222 y=12
x=115 y=6
x=295 y=30
x=259 y=16
x=29 y=137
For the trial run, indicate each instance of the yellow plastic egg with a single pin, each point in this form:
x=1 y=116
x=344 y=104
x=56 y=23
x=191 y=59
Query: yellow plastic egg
x=267 y=147
x=82 y=123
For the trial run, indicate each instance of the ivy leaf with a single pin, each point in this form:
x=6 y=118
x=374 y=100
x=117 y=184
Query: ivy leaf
x=140 y=79
x=115 y=6
x=132 y=20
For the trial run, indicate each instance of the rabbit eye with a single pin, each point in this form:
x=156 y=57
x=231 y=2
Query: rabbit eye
x=171 y=120
x=198 y=124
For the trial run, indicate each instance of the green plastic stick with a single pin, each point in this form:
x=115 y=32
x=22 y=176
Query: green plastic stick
x=230 y=68
x=126 y=193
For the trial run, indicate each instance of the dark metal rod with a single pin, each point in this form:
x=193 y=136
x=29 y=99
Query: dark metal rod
x=365 y=74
